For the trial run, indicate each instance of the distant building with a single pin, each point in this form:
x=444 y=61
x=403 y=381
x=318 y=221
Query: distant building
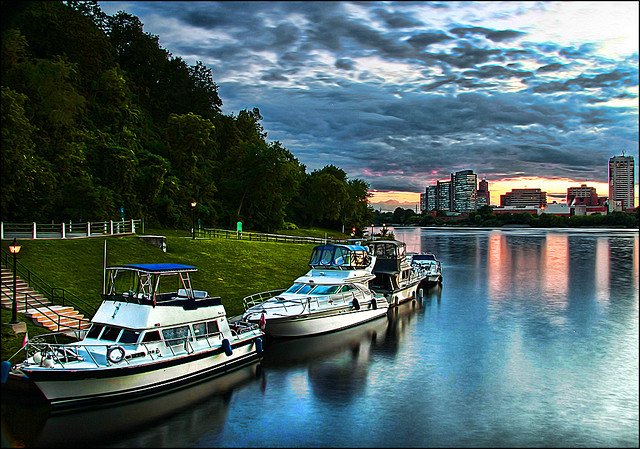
x=464 y=184
x=621 y=180
x=559 y=209
x=533 y=210
x=525 y=198
x=432 y=195
x=483 y=195
x=443 y=195
x=582 y=196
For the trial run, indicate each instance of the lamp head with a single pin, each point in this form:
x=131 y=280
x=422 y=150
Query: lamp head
x=14 y=248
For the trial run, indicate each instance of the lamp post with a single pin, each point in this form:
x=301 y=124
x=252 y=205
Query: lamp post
x=14 y=249
x=193 y=219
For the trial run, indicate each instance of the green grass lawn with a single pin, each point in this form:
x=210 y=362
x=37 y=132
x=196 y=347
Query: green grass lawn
x=231 y=269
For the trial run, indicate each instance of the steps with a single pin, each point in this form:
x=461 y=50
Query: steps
x=38 y=308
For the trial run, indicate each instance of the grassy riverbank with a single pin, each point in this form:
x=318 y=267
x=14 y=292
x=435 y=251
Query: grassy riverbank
x=231 y=269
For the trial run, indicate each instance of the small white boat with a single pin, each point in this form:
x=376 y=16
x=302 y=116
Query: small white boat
x=395 y=278
x=429 y=266
x=145 y=338
x=334 y=294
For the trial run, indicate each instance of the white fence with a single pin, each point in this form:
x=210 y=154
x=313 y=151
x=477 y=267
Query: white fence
x=69 y=230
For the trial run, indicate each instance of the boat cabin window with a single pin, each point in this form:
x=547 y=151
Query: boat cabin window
x=294 y=288
x=129 y=336
x=111 y=333
x=174 y=336
x=346 y=289
x=151 y=336
x=95 y=330
x=325 y=289
x=204 y=330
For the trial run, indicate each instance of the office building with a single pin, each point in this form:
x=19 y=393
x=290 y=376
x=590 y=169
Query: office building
x=524 y=198
x=582 y=196
x=483 y=196
x=464 y=184
x=443 y=196
x=621 y=180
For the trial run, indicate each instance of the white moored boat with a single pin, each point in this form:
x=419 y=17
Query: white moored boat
x=429 y=266
x=395 y=278
x=144 y=338
x=334 y=294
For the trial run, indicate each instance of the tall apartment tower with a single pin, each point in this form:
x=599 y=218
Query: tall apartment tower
x=443 y=195
x=621 y=178
x=465 y=187
x=484 y=196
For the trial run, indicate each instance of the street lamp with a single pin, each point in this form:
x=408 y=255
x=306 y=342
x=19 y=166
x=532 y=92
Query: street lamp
x=193 y=219
x=14 y=249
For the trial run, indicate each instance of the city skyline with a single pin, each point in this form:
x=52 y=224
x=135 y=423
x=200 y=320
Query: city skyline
x=400 y=94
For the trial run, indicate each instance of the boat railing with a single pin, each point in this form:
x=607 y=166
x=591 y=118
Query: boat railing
x=52 y=354
x=259 y=298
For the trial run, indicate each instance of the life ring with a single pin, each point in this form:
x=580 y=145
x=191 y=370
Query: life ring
x=115 y=354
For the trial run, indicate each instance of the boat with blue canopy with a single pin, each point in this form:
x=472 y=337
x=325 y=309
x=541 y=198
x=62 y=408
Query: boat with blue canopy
x=153 y=332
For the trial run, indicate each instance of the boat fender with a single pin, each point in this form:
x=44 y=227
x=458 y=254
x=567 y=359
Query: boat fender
x=356 y=304
x=115 y=354
x=37 y=357
x=6 y=367
x=259 y=348
x=226 y=345
x=374 y=303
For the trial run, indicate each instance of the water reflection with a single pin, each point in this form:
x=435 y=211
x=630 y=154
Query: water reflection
x=171 y=420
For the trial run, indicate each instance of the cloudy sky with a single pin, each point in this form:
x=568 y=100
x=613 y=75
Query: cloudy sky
x=402 y=94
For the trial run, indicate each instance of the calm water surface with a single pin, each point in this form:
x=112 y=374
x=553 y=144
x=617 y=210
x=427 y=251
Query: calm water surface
x=531 y=341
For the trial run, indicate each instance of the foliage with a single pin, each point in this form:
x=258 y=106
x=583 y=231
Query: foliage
x=98 y=116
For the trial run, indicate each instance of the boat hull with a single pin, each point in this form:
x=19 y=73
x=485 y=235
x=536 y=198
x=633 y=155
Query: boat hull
x=71 y=388
x=401 y=295
x=316 y=324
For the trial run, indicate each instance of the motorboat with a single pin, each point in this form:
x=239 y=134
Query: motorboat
x=395 y=278
x=334 y=294
x=152 y=332
x=429 y=265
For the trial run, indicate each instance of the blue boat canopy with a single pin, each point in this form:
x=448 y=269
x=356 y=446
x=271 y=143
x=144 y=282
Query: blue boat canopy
x=156 y=267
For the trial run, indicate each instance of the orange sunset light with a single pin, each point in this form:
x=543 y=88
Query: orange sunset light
x=556 y=190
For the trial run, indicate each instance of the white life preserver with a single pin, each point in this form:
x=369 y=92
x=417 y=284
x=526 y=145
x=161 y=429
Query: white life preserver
x=115 y=354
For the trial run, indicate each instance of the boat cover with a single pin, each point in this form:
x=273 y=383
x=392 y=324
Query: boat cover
x=156 y=267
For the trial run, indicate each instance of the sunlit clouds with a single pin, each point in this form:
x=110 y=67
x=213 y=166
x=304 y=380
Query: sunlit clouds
x=402 y=94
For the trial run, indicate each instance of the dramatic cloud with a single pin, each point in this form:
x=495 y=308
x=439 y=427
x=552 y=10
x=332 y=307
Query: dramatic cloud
x=401 y=94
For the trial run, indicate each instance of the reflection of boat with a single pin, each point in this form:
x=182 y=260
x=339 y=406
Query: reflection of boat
x=143 y=339
x=429 y=267
x=334 y=294
x=293 y=351
x=395 y=278
x=166 y=420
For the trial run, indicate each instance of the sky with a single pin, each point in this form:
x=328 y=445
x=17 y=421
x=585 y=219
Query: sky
x=402 y=94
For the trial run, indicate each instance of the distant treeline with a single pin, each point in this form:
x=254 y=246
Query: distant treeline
x=485 y=217
x=97 y=116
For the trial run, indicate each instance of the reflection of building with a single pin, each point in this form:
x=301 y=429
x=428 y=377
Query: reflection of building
x=621 y=179
x=582 y=196
x=484 y=197
x=524 y=197
x=464 y=184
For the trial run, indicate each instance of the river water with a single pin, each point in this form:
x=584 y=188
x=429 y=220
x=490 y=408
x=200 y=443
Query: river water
x=531 y=341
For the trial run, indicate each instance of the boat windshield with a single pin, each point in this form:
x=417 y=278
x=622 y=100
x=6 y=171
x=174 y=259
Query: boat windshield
x=339 y=256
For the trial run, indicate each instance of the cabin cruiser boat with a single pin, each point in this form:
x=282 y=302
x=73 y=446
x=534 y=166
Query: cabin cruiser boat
x=395 y=278
x=427 y=264
x=146 y=337
x=334 y=294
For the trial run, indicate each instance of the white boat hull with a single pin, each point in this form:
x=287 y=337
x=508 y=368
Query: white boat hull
x=315 y=324
x=75 y=387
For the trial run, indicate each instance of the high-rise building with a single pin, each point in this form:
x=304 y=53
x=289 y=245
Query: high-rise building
x=464 y=184
x=443 y=196
x=621 y=179
x=484 y=196
x=582 y=196
x=524 y=197
x=432 y=194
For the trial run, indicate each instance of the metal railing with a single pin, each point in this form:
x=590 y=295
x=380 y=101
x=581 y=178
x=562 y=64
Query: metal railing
x=69 y=230
x=264 y=237
x=57 y=295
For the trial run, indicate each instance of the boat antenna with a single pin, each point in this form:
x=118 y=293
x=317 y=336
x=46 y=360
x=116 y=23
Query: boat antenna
x=104 y=269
